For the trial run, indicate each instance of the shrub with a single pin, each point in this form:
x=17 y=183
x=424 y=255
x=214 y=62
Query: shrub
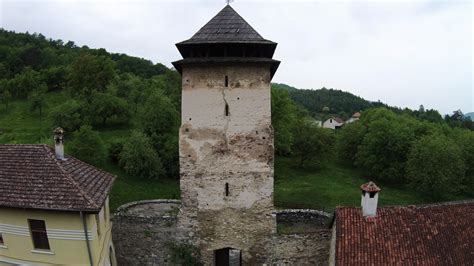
x=114 y=150
x=139 y=158
x=87 y=146
x=313 y=144
x=69 y=115
x=435 y=166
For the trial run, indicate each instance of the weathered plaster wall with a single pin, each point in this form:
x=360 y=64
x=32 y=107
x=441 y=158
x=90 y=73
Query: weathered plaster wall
x=234 y=149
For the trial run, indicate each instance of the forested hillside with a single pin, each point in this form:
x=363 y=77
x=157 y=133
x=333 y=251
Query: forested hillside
x=122 y=113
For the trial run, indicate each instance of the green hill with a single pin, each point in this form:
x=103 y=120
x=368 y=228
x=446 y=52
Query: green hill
x=46 y=83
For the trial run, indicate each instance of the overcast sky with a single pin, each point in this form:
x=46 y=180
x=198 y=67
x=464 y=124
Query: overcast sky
x=404 y=53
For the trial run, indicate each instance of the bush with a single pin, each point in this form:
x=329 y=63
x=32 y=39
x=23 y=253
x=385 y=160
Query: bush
x=69 y=115
x=313 y=144
x=435 y=166
x=87 y=146
x=349 y=139
x=140 y=159
x=114 y=150
x=384 y=149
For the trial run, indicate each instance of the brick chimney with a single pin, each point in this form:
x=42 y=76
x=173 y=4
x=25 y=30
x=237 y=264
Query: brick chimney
x=370 y=198
x=59 y=143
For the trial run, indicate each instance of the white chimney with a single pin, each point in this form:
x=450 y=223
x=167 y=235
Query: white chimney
x=370 y=198
x=59 y=143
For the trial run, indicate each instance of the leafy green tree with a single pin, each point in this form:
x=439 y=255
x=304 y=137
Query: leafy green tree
x=25 y=82
x=89 y=73
x=105 y=106
x=139 y=158
x=159 y=119
x=349 y=139
x=314 y=144
x=160 y=122
x=87 y=146
x=283 y=117
x=37 y=99
x=384 y=149
x=435 y=166
x=6 y=97
x=70 y=115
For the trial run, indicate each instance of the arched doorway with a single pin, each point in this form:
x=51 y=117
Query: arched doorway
x=227 y=257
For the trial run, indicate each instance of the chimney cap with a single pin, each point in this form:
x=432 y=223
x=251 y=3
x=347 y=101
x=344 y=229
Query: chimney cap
x=370 y=187
x=58 y=130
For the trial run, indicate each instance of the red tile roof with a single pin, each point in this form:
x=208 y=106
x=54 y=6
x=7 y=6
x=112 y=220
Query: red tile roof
x=441 y=234
x=32 y=177
x=370 y=187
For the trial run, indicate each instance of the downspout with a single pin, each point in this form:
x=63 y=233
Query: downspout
x=87 y=238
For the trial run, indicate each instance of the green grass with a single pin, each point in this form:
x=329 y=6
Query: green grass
x=333 y=185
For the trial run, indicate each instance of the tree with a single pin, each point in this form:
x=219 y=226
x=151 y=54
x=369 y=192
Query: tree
x=349 y=139
x=105 y=106
x=159 y=118
x=25 y=82
x=37 y=100
x=6 y=97
x=384 y=149
x=89 y=74
x=87 y=146
x=283 y=117
x=435 y=166
x=70 y=115
x=160 y=122
x=139 y=158
x=313 y=144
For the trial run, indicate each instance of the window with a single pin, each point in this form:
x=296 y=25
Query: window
x=226 y=110
x=1 y=240
x=226 y=83
x=39 y=234
x=372 y=194
x=227 y=189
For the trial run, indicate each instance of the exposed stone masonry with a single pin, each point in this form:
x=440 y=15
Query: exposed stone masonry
x=143 y=233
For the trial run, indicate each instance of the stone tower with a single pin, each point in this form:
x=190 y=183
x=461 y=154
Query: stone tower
x=226 y=141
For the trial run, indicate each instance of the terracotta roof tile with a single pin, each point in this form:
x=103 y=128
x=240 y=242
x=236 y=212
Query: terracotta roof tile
x=440 y=234
x=32 y=177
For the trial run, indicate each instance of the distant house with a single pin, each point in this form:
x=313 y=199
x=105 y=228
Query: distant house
x=54 y=209
x=333 y=123
x=435 y=234
x=354 y=117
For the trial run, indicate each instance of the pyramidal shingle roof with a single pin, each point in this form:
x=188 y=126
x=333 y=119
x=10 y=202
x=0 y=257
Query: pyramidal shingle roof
x=227 y=26
x=31 y=177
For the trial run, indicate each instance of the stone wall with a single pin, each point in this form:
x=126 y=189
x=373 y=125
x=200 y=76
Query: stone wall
x=143 y=233
x=226 y=160
x=301 y=249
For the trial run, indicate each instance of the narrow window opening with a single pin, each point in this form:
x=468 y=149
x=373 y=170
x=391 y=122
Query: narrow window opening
x=190 y=119
x=39 y=234
x=372 y=194
x=1 y=240
x=226 y=110
x=226 y=81
x=226 y=189
x=363 y=193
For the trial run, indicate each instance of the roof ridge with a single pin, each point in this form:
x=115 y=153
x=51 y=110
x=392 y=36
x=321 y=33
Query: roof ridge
x=69 y=178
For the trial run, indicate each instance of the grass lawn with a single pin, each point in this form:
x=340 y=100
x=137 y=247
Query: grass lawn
x=333 y=185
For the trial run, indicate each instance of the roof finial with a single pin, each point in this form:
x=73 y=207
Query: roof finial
x=229 y=1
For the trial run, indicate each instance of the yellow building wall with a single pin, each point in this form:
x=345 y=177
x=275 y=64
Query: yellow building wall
x=65 y=234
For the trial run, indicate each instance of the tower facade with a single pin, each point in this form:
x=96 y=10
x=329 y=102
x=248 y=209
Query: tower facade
x=226 y=140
